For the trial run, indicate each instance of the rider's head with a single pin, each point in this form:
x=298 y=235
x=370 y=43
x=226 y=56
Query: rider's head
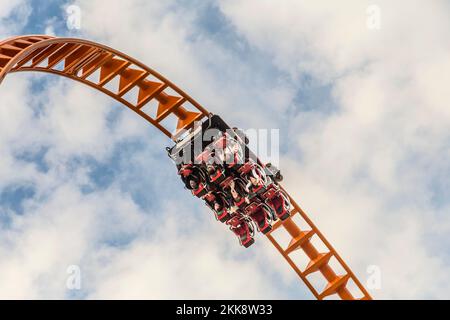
x=217 y=206
x=193 y=184
x=211 y=169
x=254 y=180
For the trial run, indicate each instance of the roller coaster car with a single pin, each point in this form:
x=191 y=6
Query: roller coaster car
x=216 y=174
x=278 y=201
x=260 y=213
x=232 y=148
x=200 y=191
x=246 y=168
x=218 y=203
x=259 y=186
x=243 y=229
x=235 y=190
x=194 y=179
x=254 y=175
x=215 y=171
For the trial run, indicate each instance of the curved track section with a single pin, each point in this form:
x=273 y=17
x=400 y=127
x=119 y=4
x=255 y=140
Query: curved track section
x=121 y=77
x=157 y=100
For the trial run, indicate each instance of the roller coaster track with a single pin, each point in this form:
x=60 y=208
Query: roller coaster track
x=156 y=99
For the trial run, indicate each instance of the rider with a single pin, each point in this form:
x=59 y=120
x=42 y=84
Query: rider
x=216 y=202
x=192 y=178
x=270 y=194
x=236 y=193
x=215 y=174
x=255 y=185
x=238 y=223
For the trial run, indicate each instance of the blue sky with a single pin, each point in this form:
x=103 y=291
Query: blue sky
x=364 y=147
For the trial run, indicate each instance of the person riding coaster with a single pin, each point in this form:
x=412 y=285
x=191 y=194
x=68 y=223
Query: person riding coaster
x=278 y=201
x=216 y=174
x=215 y=170
x=258 y=186
x=235 y=189
x=228 y=151
x=239 y=224
x=194 y=179
x=253 y=169
x=257 y=210
x=218 y=203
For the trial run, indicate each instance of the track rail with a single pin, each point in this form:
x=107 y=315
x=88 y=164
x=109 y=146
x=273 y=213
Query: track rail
x=156 y=99
x=98 y=66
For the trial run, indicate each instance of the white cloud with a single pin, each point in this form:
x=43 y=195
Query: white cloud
x=368 y=171
x=185 y=258
x=61 y=226
x=57 y=233
x=13 y=16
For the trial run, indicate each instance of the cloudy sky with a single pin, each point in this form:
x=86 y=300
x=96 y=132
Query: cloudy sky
x=364 y=119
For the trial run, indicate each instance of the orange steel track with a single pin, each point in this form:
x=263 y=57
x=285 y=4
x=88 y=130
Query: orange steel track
x=97 y=66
